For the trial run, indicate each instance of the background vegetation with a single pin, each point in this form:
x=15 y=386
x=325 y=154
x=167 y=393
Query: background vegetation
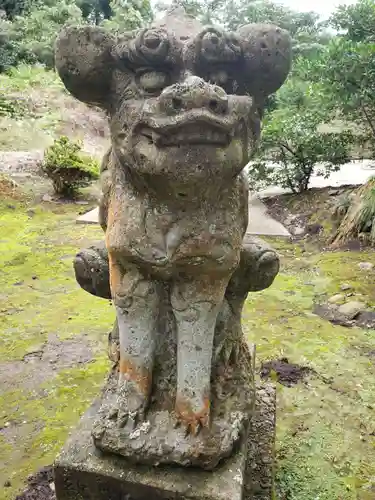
x=333 y=76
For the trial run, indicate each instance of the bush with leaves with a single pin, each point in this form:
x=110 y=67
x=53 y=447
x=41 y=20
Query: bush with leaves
x=346 y=71
x=356 y=20
x=68 y=168
x=11 y=50
x=293 y=148
x=128 y=15
x=40 y=27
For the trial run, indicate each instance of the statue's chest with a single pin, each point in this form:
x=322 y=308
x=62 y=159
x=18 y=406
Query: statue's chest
x=137 y=229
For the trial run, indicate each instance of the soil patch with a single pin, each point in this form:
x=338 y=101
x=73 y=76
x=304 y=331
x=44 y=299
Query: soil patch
x=287 y=374
x=9 y=189
x=40 y=486
x=307 y=215
x=40 y=365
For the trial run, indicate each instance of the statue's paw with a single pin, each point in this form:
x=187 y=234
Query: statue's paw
x=192 y=423
x=124 y=417
x=130 y=406
x=190 y=427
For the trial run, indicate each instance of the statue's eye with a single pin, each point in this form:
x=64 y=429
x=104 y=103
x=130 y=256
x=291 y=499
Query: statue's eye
x=153 y=81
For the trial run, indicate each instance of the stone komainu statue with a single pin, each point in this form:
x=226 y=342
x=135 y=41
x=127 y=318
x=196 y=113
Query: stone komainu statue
x=184 y=105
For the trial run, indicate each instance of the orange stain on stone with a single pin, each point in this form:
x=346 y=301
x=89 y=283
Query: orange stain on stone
x=115 y=277
x=140 y=375
x=191 y=419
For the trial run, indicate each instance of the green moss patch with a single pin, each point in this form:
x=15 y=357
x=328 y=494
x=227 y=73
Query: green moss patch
x=325 y=426
x=325 y=429
x=40 y=298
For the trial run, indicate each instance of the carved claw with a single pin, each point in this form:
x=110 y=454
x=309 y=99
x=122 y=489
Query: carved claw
x=129 y=418
x=228 y=351
x=130 y=406
x=235 y=353
x=192 y=422
x=122 y=418
x=191 y=427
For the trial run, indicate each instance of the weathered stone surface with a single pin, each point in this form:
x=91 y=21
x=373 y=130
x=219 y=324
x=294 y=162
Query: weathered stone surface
x=91 y=267
x=366 y=266
x=184 y=104
x=260 y=221
x=351 y=309
x=336 y=299
x=260 y=470
x=154 y=440
x=345 y=287
x=83 y=473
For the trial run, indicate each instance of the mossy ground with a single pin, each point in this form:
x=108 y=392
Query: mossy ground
x=326 y=426
x=39 y=298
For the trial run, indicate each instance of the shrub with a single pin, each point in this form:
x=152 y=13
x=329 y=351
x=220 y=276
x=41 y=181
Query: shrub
x=36 y=32
x=12 y=107
x=68 y=168
x=293 y=148
x=11 y=51
x=7 y=107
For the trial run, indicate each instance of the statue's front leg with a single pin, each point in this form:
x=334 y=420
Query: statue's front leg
x=195 y=303
x=136 y=301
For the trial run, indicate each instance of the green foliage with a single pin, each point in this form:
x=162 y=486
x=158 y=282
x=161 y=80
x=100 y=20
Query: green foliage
x=11 y=51
x=308 y=34
x=11 y=108
x=94 y=11
x=67 y=167
x=30 y=37
x=346 y=71
x=240 y=12
x=38 y=30
x=207 y=11
x=357 y=21
x=14 y=8
x=292 y=143
x=26 y=77
x=128 y=15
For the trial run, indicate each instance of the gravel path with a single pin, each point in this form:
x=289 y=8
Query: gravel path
x=20 y=162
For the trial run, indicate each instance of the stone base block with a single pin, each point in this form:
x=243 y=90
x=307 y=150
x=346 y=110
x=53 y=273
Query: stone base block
x=82 y=472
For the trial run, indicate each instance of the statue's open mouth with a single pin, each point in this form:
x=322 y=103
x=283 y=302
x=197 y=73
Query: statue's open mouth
x=192 y=129
x=189 y=135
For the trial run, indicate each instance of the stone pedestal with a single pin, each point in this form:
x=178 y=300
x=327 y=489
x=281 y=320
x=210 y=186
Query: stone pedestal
x=84 y=473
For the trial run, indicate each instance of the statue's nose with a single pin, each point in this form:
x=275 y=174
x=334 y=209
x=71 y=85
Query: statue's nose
x=193 y=92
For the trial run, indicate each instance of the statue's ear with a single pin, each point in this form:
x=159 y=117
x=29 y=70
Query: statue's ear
x=267 y=50
x=84 y=62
